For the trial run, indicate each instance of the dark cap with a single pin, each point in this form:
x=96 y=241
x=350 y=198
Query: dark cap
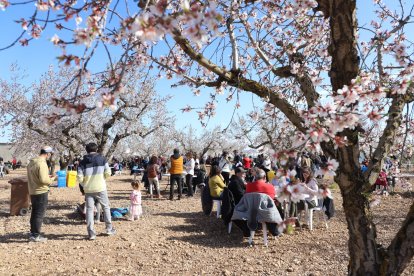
x=239 y=170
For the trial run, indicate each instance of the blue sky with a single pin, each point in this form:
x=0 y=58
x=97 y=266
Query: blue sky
x=41 y=53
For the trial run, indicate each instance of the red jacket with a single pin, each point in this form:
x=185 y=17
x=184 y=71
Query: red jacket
x=260 y=186
x=247 y=162
x=382 y=179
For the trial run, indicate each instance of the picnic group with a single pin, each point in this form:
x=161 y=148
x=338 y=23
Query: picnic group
x=250 y=191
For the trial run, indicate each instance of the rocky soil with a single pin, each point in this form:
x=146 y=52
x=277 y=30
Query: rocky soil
x=174 y=237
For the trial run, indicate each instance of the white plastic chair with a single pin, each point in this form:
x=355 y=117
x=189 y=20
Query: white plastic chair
x=1 y=171
x=266 y=204
x=264 y=229
x=229 y=227
x=265 y=240
x=320 y=210
x=217 y=202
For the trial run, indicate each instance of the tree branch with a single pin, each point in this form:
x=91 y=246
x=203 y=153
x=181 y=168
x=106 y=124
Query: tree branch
x=401 y=250
x=386 y=140
x=236 y=80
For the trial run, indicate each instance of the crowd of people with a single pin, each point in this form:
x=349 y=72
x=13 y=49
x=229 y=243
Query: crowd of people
x=237 y=175
x=265 y=178
x=5 y=167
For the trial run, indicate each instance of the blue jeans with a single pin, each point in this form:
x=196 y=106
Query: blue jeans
x=39 y=204
x=102 y=199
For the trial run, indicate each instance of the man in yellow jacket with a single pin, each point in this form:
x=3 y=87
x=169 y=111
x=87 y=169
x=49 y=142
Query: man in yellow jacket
x=176 y=173
x=38 y=184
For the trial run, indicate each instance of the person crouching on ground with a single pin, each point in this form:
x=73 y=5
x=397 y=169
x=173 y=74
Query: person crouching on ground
x=38 y=184
x=216 y=182
x=135 y=210
x=92 y=172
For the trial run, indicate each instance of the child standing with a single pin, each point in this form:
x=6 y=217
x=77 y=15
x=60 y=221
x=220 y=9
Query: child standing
x=135 y=210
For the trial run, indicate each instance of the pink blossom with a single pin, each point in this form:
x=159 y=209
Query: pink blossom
x=186 y=109
x=83 y=36
x=297 y=192
x=4 y=4
x=55 y=39
x=324 y=192
x=282 y=193
x=78 y=20
x=42 y=6
x=36 y=31
x=332 y=164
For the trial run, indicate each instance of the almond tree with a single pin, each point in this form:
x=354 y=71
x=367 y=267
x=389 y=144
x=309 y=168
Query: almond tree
x=213 y=141
x=138 y=111
x=304 y=57
x=264 y=129
x=160 y=142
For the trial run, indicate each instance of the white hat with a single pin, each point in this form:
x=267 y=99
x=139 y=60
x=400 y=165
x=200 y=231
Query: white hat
x=47 y=149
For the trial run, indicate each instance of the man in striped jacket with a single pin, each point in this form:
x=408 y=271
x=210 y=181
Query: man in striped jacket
x=92 y=172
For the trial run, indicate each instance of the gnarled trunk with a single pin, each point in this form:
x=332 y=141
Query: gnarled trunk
x=363 y=249
x=364 y=258
x=401 y=250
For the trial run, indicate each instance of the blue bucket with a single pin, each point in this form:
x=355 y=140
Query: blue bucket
x=61 y=181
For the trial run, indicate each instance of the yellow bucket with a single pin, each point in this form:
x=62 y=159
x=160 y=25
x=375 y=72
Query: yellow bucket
x=71 y=179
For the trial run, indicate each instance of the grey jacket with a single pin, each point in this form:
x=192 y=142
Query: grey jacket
x=256 y=208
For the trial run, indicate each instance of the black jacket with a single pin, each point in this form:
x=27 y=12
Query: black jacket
x=206 y=200
x=328 y=203
x=227 y=206
x=237 y=188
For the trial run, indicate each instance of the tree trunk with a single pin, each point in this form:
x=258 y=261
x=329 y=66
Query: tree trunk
x=364 y=258
x=401 y=250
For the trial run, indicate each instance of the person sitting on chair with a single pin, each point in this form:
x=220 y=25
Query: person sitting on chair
x=260 y=185
x=311 y=188
x=216 y=183
x=237 y=184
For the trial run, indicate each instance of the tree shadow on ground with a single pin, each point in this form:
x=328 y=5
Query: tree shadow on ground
x=127 y=180
x=24 y=237
x=56 y=205
x=407 y=194
x=125 y=192
x=74 y=219
x=119 y=197
x=204 y=231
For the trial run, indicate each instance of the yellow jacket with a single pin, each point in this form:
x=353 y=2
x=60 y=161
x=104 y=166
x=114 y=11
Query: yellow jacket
x=216 y=185
x=177 y=165
x=38 y=176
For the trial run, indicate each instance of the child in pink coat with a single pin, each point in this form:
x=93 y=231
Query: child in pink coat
x=135 y=210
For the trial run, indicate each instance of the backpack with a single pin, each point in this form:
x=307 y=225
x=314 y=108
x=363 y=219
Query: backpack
x=152 y=172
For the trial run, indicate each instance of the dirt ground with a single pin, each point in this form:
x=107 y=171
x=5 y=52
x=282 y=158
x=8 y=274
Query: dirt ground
x=174 y=237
